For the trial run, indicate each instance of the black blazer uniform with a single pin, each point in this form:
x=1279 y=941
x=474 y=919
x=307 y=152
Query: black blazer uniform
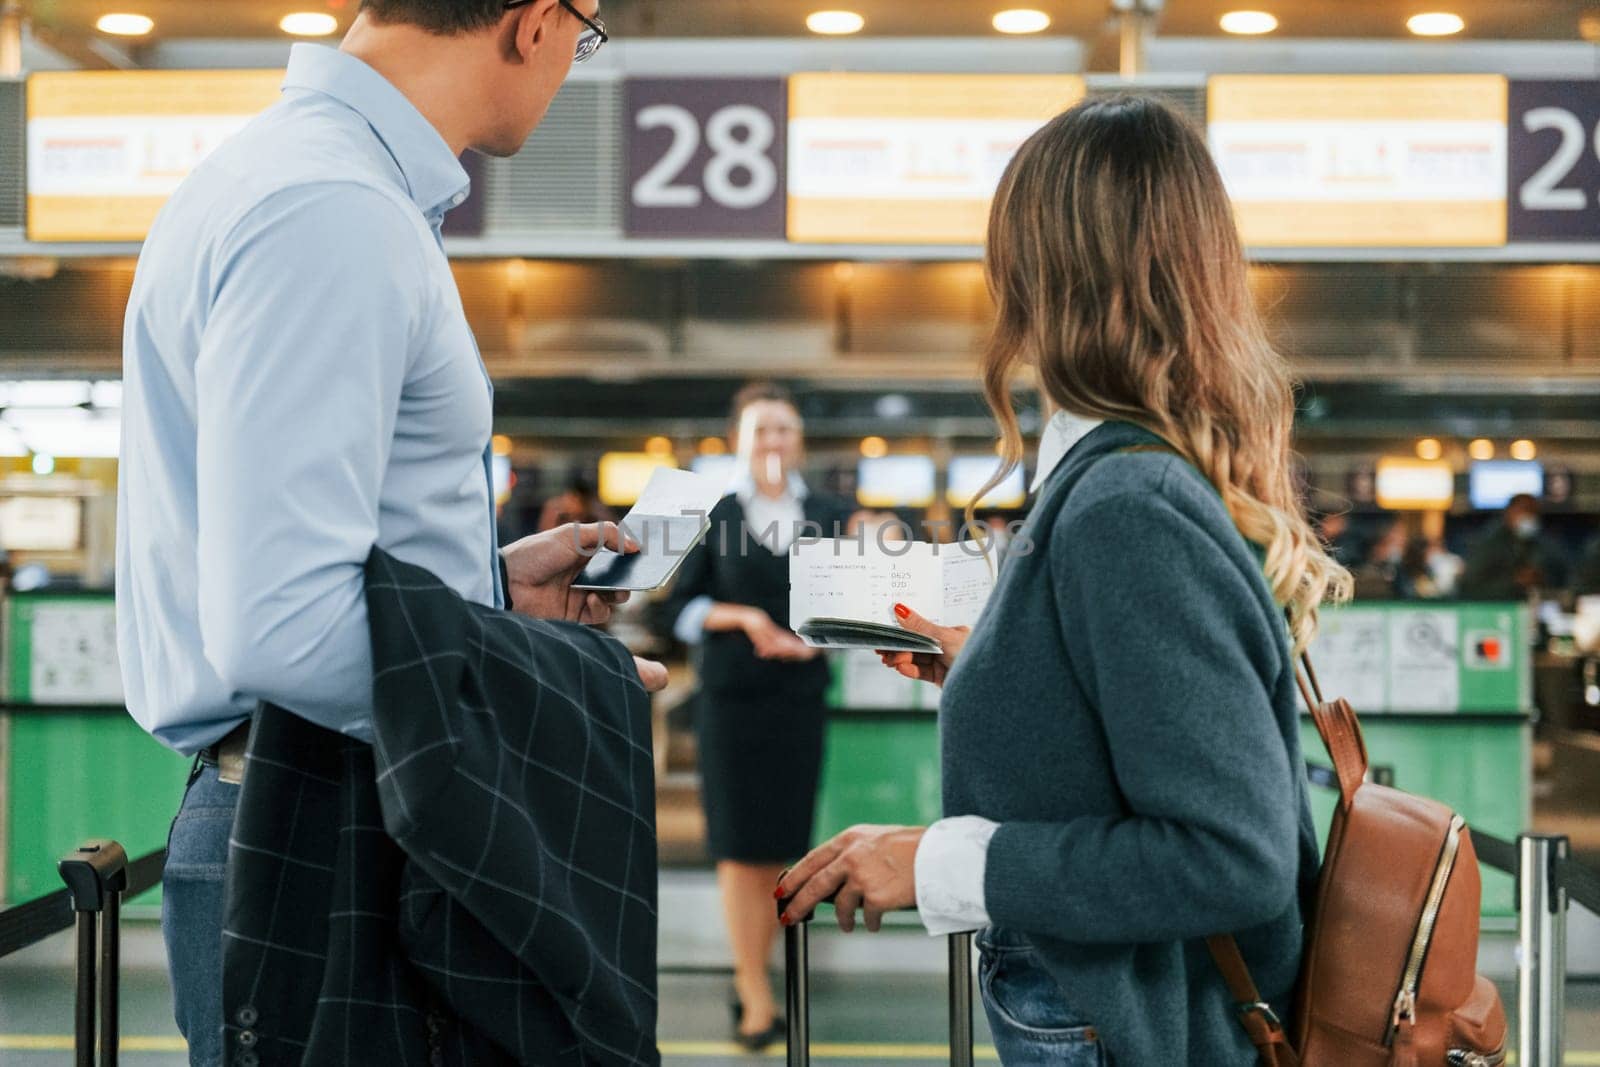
x=759 y=722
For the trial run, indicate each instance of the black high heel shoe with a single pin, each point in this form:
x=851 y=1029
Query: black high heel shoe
x=757 y=1041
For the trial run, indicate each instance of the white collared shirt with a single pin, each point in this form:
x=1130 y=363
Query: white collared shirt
x=953 y=858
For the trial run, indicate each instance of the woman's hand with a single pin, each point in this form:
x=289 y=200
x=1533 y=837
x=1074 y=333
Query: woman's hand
x=926 y=666
x=772 y=641
x=873 y=868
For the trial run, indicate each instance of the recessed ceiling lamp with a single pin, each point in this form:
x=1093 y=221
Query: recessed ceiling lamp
x=125 y=25
x=1021 y=20
x=1249 y=22
x=309 y=24
x=835 y=23
x=1435 y=24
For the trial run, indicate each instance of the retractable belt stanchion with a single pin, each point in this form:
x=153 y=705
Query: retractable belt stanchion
x=1541 y=949
x=96 y=873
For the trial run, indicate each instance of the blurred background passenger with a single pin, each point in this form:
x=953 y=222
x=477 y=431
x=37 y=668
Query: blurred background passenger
x=760 y=718
x=577 y=502
x=1515 y=558
x=1377 y=577
x=1344 y=545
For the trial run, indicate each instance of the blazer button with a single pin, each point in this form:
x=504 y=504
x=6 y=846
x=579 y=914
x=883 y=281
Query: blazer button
x=247 y=1016
x=247 y=1038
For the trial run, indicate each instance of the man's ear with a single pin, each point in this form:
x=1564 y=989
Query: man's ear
x=531 y=26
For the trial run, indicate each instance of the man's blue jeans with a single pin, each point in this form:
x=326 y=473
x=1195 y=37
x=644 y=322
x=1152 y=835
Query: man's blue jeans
x=191 y=910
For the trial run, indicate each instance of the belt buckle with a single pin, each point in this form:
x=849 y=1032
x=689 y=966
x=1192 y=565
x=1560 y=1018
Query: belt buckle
x=230 y=765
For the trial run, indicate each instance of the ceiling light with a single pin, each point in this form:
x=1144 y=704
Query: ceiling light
x=1435 y=24
x=1524 y=450
x=309 y=24
x=124 y=25
x=874 y=447
x=659 y=446
x=1429 y=448
x=834 y=22
x=1249 y=22
x=713 y=446
x=1481 y=449
x=1021 y=20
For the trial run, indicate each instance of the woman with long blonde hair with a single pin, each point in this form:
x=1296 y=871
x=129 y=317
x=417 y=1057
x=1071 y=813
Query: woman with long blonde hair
x=1122 y=766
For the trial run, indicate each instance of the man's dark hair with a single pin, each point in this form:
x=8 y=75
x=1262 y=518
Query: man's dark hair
x=438 y=16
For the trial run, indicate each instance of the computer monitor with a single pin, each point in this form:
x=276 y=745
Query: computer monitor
x=968 y=474
x=895 y=482
x=1492 y=483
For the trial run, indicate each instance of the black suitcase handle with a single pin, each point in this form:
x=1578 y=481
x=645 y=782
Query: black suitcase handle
x=797 y=992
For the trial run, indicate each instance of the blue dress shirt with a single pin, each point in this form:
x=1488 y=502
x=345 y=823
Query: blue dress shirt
x=300 y=383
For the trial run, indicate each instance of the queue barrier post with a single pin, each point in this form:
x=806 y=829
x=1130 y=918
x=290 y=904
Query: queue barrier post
x=1541 y=949
x=96 y=873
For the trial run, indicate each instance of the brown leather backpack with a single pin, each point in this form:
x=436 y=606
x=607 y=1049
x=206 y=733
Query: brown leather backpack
x=1389 y=977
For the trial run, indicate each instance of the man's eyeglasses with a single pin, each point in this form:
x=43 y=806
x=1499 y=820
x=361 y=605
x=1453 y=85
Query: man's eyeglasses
x=589 y=41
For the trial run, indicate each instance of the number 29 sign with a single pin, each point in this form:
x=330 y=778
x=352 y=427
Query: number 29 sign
x=705 y=157
x=1554 y=153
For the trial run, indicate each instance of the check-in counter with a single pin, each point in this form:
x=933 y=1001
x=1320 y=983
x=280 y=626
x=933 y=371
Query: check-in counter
x=73 y=764
x=1444 y=692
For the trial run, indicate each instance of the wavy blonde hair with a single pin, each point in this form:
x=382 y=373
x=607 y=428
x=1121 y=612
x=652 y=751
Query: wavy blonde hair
x=1117 y=272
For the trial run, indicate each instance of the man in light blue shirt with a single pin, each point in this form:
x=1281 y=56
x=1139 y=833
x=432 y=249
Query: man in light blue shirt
x=301 y=384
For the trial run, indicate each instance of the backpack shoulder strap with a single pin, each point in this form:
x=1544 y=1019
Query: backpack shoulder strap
x=1255 y=1015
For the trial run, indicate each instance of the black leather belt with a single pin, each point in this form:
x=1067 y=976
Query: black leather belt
x=227 y=755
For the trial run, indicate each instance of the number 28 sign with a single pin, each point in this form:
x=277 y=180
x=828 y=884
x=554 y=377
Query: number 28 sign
x=705 y=157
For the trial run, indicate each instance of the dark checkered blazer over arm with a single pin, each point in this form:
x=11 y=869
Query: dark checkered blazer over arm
x=478 y=886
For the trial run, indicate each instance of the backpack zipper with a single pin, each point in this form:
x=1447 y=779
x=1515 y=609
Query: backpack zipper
x=1459 y=1057
x=1405 y=1001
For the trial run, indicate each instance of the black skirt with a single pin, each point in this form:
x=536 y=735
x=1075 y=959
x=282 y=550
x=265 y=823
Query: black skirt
x=760 y=759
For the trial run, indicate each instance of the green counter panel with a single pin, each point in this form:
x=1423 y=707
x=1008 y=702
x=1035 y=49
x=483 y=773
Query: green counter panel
x=74 y=775
x=1480 y=769
x=879 y=769
x=884 y=768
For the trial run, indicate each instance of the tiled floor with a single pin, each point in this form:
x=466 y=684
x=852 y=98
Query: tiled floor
x=859 y=1020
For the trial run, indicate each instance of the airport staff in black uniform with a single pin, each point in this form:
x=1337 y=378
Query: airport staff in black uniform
x=761 y=716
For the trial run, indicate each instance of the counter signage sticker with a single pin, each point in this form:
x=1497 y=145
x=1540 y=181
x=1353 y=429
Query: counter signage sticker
x=1554 y=161
x=1424 y=661
x=705 y=157
x=72 y=652
x=1351 y=655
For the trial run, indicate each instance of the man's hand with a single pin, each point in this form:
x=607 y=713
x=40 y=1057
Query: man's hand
x=873 y=868
x=651 y=673
x=541 y=569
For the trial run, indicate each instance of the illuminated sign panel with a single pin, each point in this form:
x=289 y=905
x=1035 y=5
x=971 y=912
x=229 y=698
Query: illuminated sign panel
x=1415 y=485
x=107 y=148
x=1358 y=160
x=908 y=158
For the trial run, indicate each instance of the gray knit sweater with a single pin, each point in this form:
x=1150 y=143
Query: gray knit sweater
x=1126 y=710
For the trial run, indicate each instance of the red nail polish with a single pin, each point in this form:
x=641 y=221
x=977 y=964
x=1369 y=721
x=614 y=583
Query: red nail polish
x=902 y=611
x=785 y=920
x=777 y=894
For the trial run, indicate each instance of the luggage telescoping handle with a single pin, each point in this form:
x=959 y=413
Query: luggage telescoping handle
x=797 y=993
x=96 y=873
